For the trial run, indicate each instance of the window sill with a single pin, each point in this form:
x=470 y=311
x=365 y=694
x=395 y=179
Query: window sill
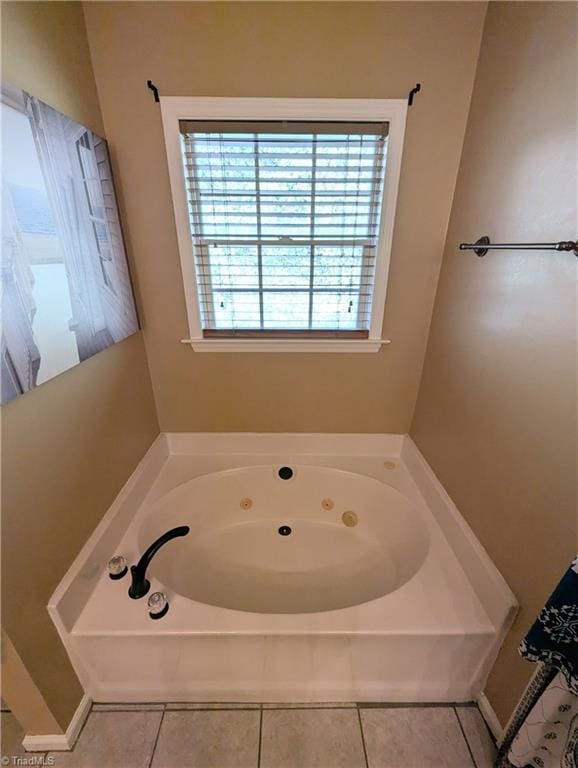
x=286 y=345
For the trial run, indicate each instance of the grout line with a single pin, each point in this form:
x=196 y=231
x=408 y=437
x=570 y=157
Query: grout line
x=362 y=738
x=133 y=703
x=284 y=707
x=139 y=708
x=251 y=707
x=473 y=759
x=224 y=708
x=158 y=734
x=148 y=706
x=196 y=709
x=413 y=704
x=260 y=734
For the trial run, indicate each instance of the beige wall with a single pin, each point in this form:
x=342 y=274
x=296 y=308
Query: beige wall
x=496 y=406
x=377 y=50
x=21 y=694
x=496 y=411
x=69 y=445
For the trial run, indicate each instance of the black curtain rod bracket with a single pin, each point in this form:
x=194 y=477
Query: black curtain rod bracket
x=154 y=89
x=412 y=93
x=483 y=245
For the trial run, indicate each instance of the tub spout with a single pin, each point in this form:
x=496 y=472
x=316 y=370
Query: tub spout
x=140 y=584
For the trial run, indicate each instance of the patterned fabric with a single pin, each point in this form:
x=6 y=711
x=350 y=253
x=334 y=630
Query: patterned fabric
x=553 y=638
x=548 y=738
x=543 y=732
x=541 y=679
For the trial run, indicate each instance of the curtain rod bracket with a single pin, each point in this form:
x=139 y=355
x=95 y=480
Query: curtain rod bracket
x=483 y=245
x=412 y=93
x=154 y=89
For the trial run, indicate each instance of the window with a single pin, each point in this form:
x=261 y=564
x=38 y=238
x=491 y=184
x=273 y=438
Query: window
x=96 y=213
x=284 y=220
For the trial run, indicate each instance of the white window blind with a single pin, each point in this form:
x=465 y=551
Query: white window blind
x=284 y=220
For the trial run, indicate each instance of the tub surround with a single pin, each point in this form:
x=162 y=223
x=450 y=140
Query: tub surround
x=432 y=639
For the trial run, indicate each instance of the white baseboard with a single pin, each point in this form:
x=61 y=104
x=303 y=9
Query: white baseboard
x=59 y=742
x=489 y=715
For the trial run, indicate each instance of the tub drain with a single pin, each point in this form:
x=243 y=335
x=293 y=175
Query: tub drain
x=284 y=530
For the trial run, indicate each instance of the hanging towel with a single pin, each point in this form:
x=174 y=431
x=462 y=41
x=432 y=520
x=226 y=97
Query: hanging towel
x=548 y=737
x=543 y=732
x=553 y=638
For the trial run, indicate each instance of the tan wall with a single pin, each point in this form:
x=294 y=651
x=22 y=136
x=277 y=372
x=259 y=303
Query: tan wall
x=70 y=444
x=496 y=412
x=21 y=694
x=377 y=50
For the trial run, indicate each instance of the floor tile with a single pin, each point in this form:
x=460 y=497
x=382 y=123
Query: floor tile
x=215 y=739
x=309 y=705
x=424 y=737
x=12 y=735
x=311 y=738
x=212 y=705
x=478 y=736
x=113 y=740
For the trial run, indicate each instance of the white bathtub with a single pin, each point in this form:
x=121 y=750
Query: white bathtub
x=320 y=540
x=379 y=592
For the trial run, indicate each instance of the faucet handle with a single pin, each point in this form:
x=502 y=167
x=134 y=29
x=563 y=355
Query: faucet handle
x=117 y=567
x=158 y=605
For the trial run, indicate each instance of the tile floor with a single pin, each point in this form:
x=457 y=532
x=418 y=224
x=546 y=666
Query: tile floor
x=270 y=736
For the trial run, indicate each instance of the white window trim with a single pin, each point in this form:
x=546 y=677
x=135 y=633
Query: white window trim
x=394 y=111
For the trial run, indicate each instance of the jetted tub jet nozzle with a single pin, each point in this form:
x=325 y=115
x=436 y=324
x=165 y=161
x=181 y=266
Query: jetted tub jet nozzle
x=140 y=584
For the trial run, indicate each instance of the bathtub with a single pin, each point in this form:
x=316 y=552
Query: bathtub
x=299 y=539
x=316 y=568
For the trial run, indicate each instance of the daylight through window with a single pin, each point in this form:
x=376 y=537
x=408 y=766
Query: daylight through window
x=284 y=219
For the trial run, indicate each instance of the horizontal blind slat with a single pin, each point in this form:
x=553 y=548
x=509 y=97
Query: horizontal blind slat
x=318 y=242
x=285 y=221
x=279 y=128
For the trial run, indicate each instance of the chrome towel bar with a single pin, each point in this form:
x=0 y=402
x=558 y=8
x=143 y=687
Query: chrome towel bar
x=483 y=245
